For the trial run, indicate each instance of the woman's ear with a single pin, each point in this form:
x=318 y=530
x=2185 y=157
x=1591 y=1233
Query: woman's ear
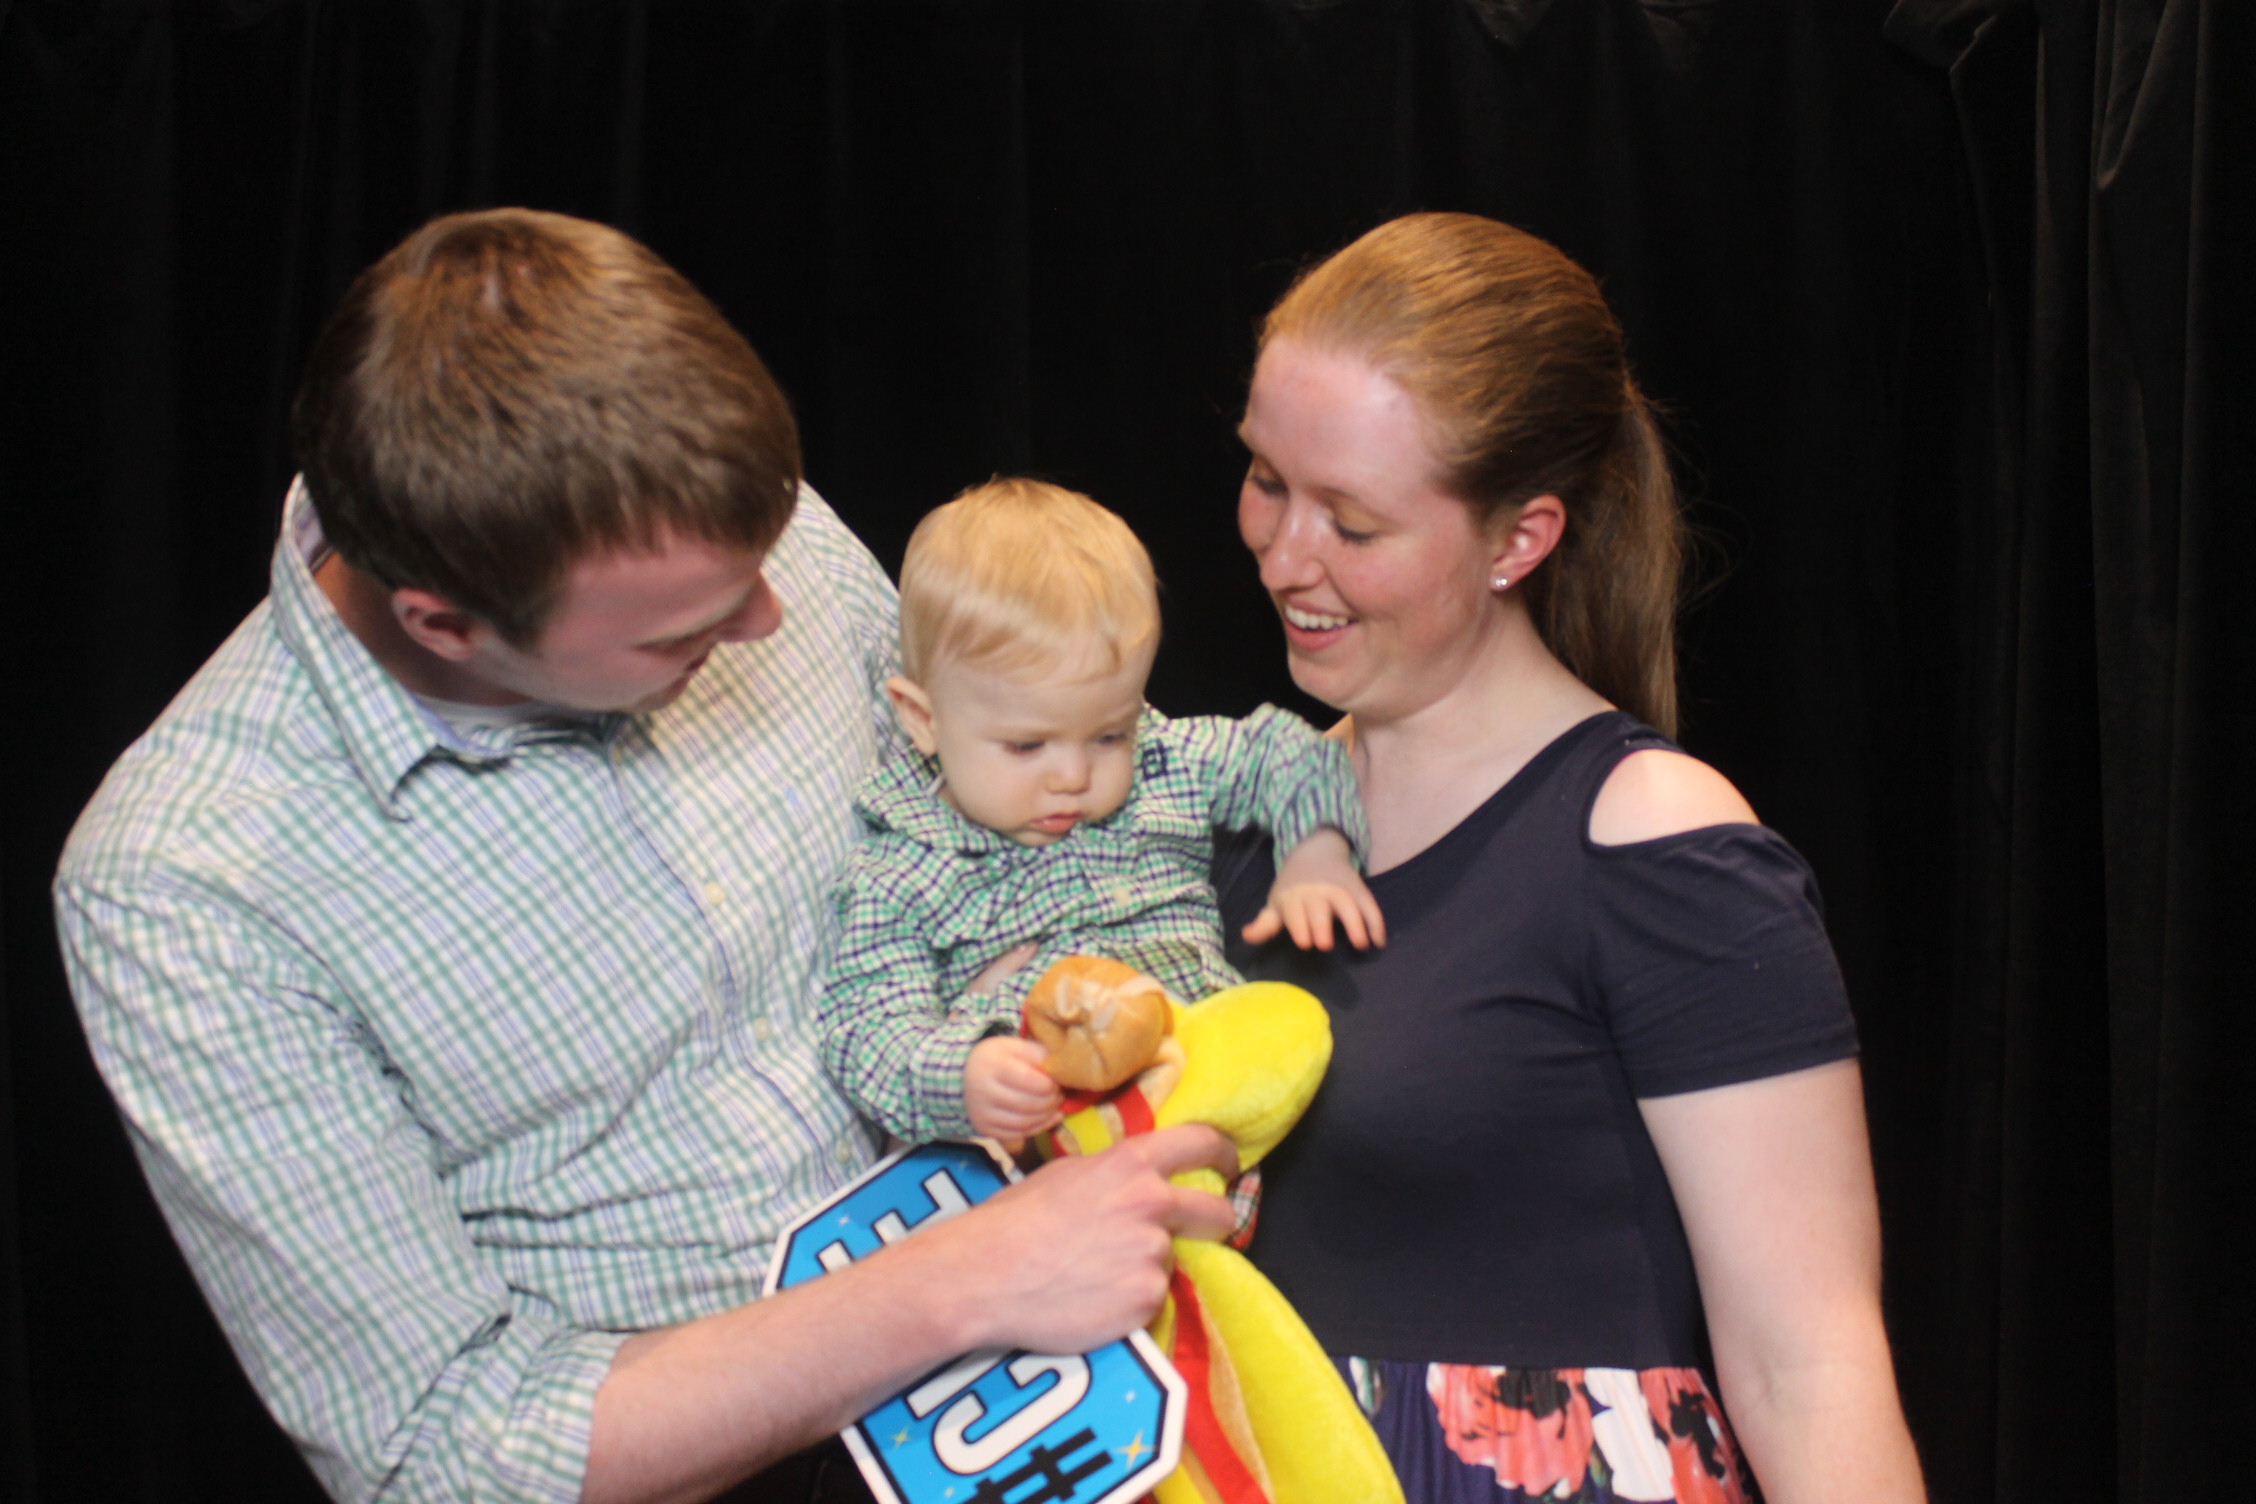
x=912 y=707
x=1524 y=538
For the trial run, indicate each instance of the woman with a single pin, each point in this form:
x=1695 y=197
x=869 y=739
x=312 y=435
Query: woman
x=1593 y=1132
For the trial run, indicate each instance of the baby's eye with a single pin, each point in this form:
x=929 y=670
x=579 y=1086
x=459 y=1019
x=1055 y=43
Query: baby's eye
x=1114 y=738
x=1022 y=749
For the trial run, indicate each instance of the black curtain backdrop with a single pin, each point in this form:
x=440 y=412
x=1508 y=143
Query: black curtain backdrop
x=1949 y=301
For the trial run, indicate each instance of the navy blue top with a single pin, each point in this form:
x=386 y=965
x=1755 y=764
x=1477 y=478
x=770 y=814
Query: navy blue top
x=1473 y=1183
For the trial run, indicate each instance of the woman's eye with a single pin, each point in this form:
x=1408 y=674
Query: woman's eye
x=1267 y=485
x=1350 y=535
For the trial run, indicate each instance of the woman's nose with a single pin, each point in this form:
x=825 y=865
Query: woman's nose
x=1288 y=557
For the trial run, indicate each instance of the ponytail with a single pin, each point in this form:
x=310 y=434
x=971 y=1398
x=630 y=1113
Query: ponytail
x=1605 y=600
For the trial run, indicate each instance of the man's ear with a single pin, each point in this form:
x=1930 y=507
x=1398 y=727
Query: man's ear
x=435 y=624
x=912 y=707
x=1526 y=537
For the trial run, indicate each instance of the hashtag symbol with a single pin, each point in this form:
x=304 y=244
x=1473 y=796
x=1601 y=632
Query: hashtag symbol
x=1046 y=1468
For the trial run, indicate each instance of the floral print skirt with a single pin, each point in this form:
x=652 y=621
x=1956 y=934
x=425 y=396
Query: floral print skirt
x=1463 y=1434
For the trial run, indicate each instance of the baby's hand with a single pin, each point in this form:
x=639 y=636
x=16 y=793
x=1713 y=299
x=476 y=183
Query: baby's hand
x=1007 y=1093
x=1316 y=884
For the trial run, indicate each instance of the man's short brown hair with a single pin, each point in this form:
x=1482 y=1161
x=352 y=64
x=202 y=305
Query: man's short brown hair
x=509 y=392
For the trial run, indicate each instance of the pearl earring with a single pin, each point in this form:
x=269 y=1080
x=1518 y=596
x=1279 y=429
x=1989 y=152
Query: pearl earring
x=1501 y=583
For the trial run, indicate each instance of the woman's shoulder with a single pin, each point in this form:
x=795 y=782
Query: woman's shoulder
x=1659 y=791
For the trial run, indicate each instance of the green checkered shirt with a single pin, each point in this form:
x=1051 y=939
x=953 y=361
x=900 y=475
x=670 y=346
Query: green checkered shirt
x=453 y=1056
x=932 y=898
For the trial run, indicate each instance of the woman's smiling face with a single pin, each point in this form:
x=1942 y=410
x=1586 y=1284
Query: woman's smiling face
x=1381 y=576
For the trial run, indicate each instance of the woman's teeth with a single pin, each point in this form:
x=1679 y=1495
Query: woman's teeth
x=1311 y=621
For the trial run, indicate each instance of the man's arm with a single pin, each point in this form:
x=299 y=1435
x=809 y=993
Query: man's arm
x=305 y=1198
x=1070 y=1258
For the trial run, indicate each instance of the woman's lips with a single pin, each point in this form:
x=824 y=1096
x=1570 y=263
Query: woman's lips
x=1312 y=629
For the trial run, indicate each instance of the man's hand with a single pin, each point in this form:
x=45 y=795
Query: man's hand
x=1006 y=1092
x=1316 y=884
x=1077 y=1254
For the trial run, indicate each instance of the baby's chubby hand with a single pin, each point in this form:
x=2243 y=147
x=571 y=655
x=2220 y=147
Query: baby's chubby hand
x=1006 y=1092
x=1316 y=884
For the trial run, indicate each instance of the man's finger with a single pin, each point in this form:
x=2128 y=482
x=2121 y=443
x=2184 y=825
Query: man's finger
x=1186 y=1146
x=1200 y=1214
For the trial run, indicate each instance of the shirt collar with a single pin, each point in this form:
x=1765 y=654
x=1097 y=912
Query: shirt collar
x=386 y=733
x=903 y=796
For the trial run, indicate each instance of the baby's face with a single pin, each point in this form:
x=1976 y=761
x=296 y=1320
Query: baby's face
x=1031 y=755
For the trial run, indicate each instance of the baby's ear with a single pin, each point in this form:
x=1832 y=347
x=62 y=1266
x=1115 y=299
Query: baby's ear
x=912 y=707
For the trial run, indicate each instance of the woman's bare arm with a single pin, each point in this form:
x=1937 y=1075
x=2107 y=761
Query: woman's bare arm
x=1774 y=1183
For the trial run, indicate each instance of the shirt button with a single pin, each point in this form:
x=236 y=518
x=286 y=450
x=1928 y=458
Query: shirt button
x=762 y=1030
x=715 y=894
x=845 y=1151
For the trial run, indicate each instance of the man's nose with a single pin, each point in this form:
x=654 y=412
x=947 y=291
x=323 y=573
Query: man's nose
x=758 y=617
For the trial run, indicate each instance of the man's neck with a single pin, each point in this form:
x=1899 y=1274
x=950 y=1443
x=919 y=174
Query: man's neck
x=364 y=604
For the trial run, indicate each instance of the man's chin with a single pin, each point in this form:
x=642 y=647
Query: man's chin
x=662 y=698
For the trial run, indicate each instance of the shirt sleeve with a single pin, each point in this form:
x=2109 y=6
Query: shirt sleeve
x=1711 y=957
x=309 y=1205
x=889 y=1039
x=1273 y=771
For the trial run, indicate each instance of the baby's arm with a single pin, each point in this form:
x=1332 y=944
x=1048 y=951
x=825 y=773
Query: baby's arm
x=888 y=1037
x=1317 y=883
x=1273 y=770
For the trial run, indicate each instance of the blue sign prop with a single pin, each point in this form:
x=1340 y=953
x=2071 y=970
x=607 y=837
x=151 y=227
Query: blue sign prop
x=1001 y=1426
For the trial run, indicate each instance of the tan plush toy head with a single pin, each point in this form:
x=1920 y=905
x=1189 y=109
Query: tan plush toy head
x=1101 y=1021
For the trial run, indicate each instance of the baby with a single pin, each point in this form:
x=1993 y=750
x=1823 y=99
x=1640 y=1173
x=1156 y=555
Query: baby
x=1045 y=802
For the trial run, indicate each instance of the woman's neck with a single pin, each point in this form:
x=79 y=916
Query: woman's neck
x=1424 y=771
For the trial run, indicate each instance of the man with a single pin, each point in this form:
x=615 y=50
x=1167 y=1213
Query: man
x=448 y=943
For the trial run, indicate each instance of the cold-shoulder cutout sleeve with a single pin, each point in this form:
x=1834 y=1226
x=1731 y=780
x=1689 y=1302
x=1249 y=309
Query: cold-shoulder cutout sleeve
x=1713 y=965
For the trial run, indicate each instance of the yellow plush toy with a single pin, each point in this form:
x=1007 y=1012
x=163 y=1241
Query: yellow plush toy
x=1270 y=1422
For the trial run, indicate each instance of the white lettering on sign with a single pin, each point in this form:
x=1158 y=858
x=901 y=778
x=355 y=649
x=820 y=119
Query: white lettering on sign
x=961 y=1456
x=952 y=1380
x=947 y=1201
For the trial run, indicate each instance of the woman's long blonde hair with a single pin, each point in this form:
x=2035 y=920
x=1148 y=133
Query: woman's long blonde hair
x=1518 y=366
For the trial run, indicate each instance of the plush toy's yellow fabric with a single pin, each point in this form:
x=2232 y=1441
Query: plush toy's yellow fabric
x=1253 y=1058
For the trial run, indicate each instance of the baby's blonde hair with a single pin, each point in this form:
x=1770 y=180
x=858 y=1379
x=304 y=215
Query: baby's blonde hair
x=1011 y=573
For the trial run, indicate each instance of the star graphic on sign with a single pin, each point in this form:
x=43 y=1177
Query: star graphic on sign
x=1134 y=1451
x=901 y=1437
